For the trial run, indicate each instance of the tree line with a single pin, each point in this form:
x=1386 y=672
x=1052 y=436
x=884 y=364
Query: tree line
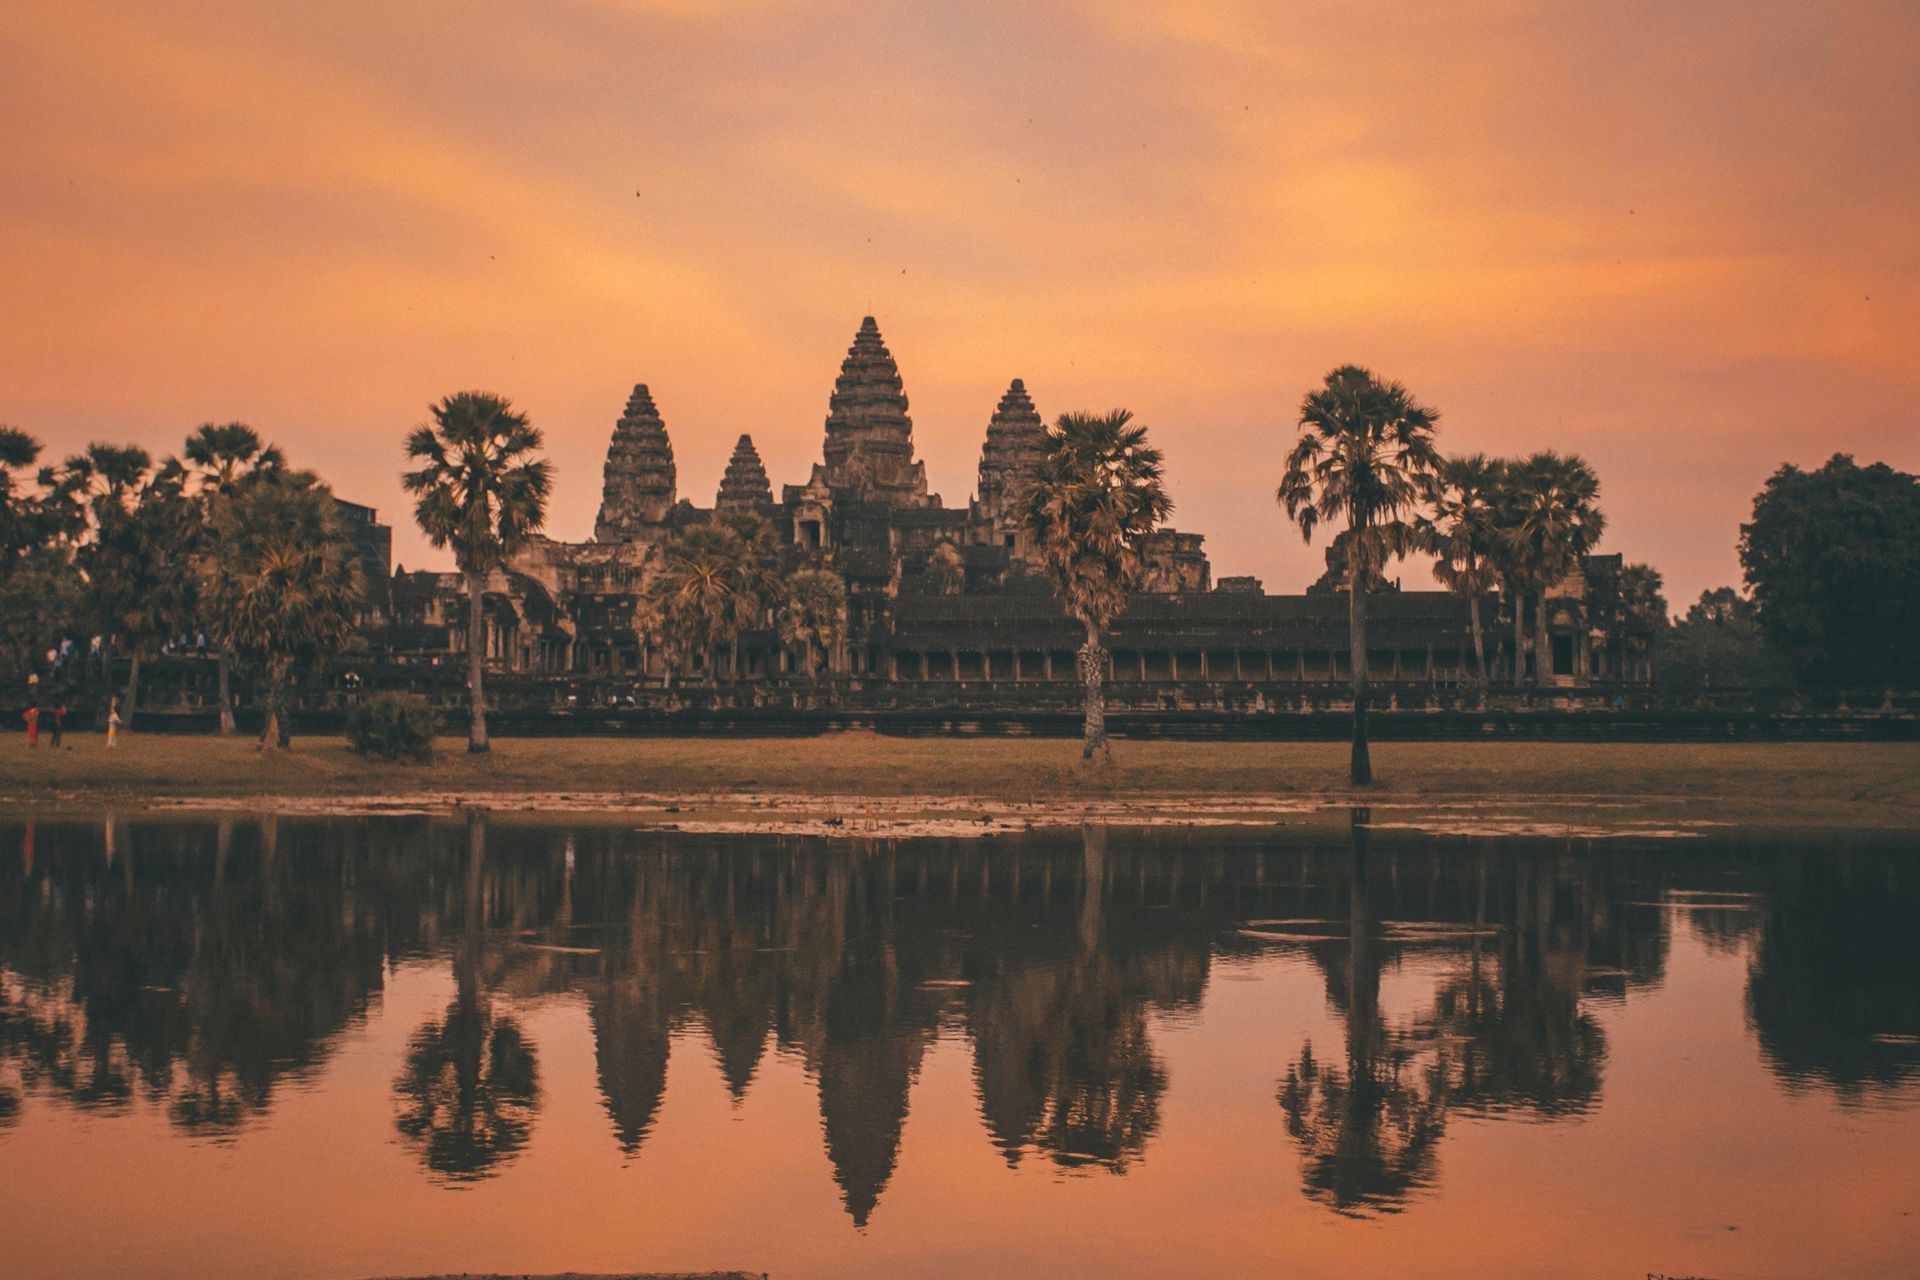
x=228 y=543
x=111 y=554
x=1365 y=465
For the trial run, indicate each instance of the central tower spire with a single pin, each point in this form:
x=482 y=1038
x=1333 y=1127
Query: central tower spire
x=869 y=445
x=639 y=486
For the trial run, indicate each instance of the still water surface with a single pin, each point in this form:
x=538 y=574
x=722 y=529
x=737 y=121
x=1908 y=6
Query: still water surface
x=270 y=1047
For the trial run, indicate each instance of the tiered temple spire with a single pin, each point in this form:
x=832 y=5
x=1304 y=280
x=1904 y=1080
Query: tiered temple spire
x=1016 y=439
x=869 y=445
x=745 y=486
x=639 y=488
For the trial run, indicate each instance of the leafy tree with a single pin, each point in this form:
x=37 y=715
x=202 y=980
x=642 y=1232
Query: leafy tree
x=219 y=460
x=814 y=614
x=1551 y=518
x=1833 y=560
x=282 y=582
x=1719 y=645
x=1365 y=458
x=1464 y=534
x=1628 y=608
x=1095 y=496
x=36 y=581
x=482 y=491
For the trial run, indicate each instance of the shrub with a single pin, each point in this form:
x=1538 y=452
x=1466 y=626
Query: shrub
x=392 y=726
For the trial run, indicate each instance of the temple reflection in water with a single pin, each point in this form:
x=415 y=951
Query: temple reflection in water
x=205 y=966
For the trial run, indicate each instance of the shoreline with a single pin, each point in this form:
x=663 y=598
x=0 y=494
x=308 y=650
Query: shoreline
x=869 y=785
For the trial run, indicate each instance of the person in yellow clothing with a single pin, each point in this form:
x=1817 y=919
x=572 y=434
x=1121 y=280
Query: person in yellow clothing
x=113 y=724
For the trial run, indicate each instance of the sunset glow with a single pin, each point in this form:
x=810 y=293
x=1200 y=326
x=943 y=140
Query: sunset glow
x=1676 y=240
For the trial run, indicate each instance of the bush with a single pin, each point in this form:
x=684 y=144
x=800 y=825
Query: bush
x=392 y=726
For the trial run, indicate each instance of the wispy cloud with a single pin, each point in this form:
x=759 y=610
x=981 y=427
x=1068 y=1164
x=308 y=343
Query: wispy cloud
x=1678 y=239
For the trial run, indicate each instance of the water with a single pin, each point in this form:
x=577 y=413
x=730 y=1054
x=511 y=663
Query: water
x=363 y=1047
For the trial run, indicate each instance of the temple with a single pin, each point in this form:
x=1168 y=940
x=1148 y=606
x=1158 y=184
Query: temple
x=940 y=597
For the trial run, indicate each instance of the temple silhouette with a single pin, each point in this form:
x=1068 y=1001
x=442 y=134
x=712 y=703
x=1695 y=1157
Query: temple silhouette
x=948 y=602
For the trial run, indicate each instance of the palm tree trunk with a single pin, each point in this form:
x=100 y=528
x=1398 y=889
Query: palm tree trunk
x=1094 y=738
x=1542 y=645
x=133 y=692
x=1479 y=641
x=476 y=663
x=273 y=734
x=225 y=668
x=1519 y=638
x=106 y=678
x=1361 y=764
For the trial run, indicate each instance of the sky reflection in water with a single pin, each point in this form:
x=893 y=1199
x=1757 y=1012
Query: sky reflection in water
x=278 y=1047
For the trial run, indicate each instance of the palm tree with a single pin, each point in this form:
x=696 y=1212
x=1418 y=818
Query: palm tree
x=482 y=492
x=219 y=459
x=222 y=456
x=1094 y=498
x=814 y=615
x=712 y=586
x=1462 y=537
x=281 y=581
x=20 y=509
x=1553 y=519
x=1365 y=456
x=132 y=556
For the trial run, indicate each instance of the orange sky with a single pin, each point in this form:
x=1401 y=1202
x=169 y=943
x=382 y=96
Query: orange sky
x=1679 y=239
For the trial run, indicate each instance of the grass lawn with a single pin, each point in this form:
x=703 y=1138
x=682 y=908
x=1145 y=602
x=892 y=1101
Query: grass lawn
x=1855 y=784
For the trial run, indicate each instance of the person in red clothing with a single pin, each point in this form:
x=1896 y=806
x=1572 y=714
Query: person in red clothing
x=32 y=717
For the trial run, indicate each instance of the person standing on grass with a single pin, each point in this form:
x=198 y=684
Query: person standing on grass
x=32 y=717
x=113 y=724
x=59 y=721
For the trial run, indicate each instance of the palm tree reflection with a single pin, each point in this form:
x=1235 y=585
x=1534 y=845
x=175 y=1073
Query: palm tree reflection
x=1062 y=1055
x=469 y=1089
x=1368 y=1130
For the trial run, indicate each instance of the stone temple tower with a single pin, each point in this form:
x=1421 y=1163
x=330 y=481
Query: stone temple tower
x=1016 y=439
x=639 y=487
x=745 y=486
x=869 y=448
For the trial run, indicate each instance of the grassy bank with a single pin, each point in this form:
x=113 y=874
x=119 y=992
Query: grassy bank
x=1823 y=783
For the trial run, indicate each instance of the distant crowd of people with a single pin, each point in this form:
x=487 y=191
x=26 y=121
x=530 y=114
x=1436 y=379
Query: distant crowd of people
x=63 y=667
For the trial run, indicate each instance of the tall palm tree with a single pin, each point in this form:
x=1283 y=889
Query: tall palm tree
x=1554 y=519
x=20 y=507
x=281 y=582
x=1507 y=558
x=128 y=519
x=814 y=615
x=482 y=491
x=1096 y=495
x=220 y=458
x=1463 y=534
x=1365 y=457
x=711 y=587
